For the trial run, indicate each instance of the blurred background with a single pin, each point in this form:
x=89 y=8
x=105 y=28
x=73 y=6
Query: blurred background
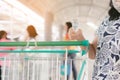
x=49 y=17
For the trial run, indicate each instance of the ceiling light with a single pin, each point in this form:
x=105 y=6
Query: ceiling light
x=23 y=8
x=91 y=24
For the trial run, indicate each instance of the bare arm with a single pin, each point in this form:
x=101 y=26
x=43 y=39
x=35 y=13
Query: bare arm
x=92 y=49
x=79 y=36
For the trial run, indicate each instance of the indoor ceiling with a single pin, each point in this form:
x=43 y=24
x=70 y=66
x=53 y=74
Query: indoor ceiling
x=81 y=10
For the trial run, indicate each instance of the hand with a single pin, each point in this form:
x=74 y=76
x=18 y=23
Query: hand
x=79 y=35
x=76 y=35
x=72 y=34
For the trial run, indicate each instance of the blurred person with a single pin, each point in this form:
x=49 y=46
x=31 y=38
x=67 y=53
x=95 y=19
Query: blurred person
x=68 y=25
x=105 y=48
x=30 y=35
x=3 y=38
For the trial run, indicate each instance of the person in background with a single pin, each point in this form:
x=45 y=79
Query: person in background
x=68 y=25
x=105 y=48
x=30 y=35
x=3 y=38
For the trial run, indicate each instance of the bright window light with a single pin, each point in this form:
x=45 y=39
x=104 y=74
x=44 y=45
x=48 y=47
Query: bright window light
x=23 y=8
x=19 y=10
x=91 y=24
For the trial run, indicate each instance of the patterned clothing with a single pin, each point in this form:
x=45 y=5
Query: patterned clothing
x=107 y=62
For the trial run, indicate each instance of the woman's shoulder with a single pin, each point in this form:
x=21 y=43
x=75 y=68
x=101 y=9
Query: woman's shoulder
x=102 y=25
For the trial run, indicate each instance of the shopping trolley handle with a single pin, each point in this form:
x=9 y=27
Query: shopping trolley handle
x=83 y=52
x=50 y=43
x=84 y=43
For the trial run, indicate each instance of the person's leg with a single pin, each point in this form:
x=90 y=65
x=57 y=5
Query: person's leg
x=0 y=73
x=74 y=70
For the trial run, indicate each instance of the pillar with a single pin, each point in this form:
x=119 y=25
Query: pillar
x=48 y=26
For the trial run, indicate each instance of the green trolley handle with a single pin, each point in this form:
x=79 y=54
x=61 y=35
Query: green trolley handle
x=53 y=43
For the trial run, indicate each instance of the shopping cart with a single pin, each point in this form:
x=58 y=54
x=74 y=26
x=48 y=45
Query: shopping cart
x=17 y=67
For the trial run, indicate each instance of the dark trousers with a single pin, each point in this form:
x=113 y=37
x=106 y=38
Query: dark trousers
x=0 y=73
x=74 y=71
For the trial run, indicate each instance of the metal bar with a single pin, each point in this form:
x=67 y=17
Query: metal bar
x=81 y=70
x=53 y=43
x=38 y=51
x=66 y=57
